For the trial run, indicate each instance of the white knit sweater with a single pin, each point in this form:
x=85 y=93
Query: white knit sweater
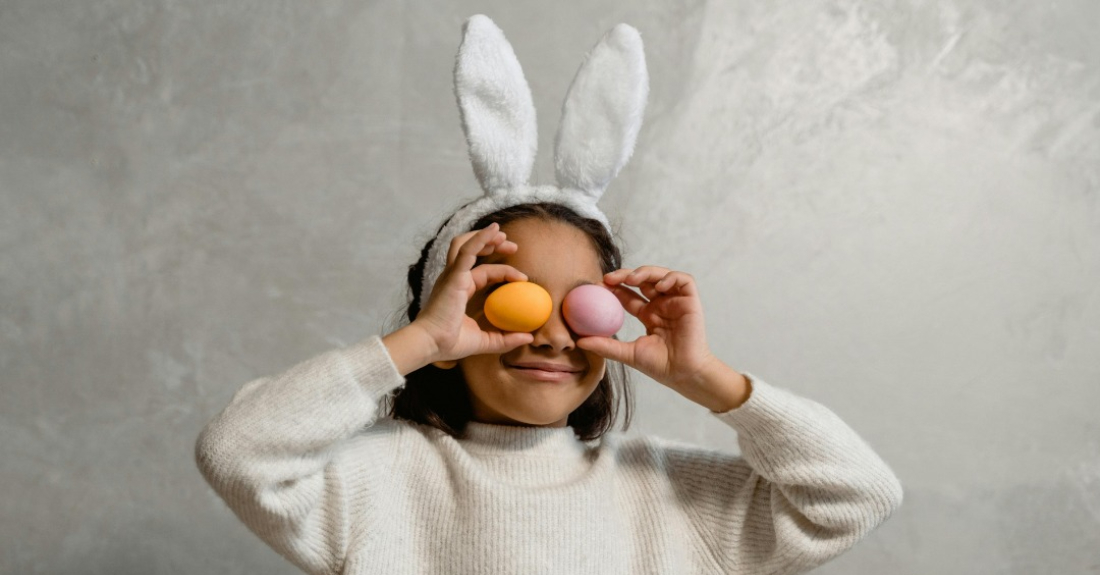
x=301 y=460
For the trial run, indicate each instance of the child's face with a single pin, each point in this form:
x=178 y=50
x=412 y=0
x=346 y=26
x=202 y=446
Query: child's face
x=558 y=257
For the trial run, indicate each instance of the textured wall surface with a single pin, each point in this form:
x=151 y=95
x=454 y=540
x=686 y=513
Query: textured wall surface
x=890 y=207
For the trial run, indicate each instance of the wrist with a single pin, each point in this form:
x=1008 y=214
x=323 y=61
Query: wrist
x=427 y=341
x=411 y=348
x=718 y=387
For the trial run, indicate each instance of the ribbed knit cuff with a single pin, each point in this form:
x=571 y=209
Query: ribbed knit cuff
x=764 y=408
x=371 y=365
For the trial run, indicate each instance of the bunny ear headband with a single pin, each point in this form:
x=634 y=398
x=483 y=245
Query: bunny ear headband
x=599 y=124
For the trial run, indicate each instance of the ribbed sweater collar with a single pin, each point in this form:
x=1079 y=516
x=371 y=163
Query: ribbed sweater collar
x=541 y=441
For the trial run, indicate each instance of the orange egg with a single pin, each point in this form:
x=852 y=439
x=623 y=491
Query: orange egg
x=519 y=306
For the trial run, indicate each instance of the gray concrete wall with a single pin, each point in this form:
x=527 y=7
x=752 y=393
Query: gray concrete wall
x=890 y=207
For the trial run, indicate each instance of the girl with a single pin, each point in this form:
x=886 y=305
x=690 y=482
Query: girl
x=495 y=456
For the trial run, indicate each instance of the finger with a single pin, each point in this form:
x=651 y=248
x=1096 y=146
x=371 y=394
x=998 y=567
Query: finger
x=498 y=244
x=645 y=274
x=505 y=342
x=506 y=247
x=486 y=274
x=648 y=291
x=676 y=283
x=609 y=348
x=654 y=281
x=456 y=243
x=675 y=307
x=616 y=277
x=630 y=300
x=486 y=234
x=466 y=251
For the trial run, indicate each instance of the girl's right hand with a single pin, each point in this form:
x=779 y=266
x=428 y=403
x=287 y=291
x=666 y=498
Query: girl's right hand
x=443 y=317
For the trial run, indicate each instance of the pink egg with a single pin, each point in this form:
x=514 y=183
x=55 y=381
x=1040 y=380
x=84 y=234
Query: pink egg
x=593 y=310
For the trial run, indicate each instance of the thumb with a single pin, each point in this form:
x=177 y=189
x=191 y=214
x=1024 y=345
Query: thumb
x=609 y=348
x=501 y=343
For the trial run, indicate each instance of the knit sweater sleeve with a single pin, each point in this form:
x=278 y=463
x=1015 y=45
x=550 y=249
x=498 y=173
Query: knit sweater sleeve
x=805 y=489
x=271 y=454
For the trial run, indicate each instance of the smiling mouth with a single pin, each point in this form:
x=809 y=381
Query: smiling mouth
x=544 y=374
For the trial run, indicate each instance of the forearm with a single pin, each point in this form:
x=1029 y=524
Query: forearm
x=718 y=387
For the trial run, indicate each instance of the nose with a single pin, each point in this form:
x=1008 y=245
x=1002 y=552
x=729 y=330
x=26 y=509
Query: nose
x=555 y=333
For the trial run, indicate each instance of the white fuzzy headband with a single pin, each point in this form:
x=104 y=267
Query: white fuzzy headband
x=600 y=120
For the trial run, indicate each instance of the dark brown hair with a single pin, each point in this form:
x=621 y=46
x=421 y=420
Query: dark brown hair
x=440 y=397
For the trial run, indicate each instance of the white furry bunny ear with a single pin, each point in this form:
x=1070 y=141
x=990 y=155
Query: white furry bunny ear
x=602 y=113
x=498 y=115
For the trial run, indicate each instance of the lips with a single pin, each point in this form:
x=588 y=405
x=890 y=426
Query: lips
x=546 y=366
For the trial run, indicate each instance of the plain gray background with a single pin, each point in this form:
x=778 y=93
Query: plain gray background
x=890 y=207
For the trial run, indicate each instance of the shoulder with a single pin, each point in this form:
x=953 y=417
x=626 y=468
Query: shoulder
x=666 y=469
x=386 y=439
x=415 y=443
x=668 y=455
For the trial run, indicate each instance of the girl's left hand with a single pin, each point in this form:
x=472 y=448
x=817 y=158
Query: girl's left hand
x=674 y=350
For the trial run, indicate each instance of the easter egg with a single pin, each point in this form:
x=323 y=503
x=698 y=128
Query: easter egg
x=593 y=310
x=519 y=306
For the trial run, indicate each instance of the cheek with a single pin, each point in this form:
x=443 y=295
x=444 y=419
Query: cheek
x=598 y=366
x=477 y=370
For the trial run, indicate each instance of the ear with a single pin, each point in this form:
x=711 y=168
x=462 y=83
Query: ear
x=494 y=101
x=445 y=364
x=602 y=113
